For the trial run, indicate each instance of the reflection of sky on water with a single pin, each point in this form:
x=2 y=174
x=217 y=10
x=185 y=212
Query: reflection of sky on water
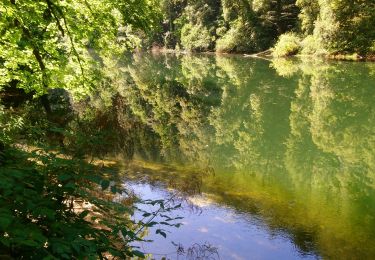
x=236 y=235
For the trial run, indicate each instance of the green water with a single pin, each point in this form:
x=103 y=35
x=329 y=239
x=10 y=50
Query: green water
x=290 y=142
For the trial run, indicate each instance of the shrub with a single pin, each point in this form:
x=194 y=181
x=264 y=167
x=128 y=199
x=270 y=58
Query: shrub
x=196 y=37
x=54 y=204
x=239 y=38
x=228 y=42
x=372 y=49
x=169 y=40
x=289 y=44
x=311 y=45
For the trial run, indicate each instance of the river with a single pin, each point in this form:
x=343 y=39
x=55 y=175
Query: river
x=270 y=159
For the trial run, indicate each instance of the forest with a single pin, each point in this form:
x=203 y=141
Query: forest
x=69 y=101
x=289 y=27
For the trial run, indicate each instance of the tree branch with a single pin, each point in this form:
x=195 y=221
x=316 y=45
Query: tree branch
x=76 y=54
x=50 y=8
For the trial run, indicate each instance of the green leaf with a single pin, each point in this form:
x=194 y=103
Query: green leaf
x=105 y=184
x=5 y=221
x=49 y=213
x=84 y=213
x=28 y=242
x=159 y=231
x=177 y=206
x=151 y=224
x=64 y=177
x=70 y=185
x=138 y=253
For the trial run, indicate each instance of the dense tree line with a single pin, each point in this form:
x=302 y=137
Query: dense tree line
x=308 y=27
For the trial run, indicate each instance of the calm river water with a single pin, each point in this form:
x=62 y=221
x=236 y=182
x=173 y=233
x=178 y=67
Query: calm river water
x=270 y=159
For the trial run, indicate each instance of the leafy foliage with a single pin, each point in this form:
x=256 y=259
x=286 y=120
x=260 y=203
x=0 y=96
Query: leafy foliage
x=42 y=220
x=252 y=26
x=333 y=26
x=57 y=205
x=195 y=38
x=233 y=26
x=48 y=44
x=287 y=45
x=52 y=206
x=239 y=38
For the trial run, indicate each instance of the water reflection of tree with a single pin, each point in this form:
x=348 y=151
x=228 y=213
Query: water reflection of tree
x=330 y=147
x=175 y=103
x=251 y=120
x=332 y=115
x=305 y=131
x=319 y=141
x=239 y=97
x=233 y=112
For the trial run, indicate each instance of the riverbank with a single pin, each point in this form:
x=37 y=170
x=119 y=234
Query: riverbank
x=268 y=54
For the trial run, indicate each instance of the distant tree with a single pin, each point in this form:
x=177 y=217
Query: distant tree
x=346 y=26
